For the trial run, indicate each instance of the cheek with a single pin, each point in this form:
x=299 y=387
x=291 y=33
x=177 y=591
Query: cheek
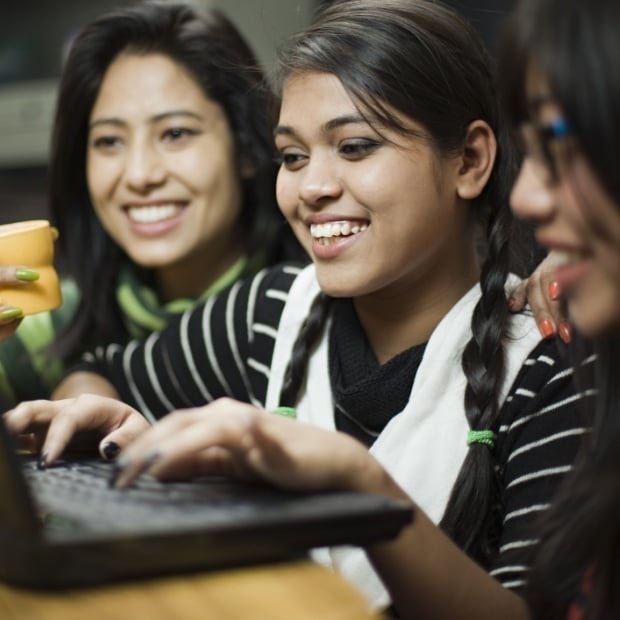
x=101 y=177
x=204 y=173
x=588 y=205
x=91 y=177
x=95 y=189
x=286 y=194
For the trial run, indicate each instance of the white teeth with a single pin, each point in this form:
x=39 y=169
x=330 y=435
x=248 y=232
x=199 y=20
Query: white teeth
x=151 y=215
x=558 y=258
x=336 y=229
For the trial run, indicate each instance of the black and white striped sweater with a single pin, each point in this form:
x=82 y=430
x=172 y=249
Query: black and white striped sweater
x=224 y=348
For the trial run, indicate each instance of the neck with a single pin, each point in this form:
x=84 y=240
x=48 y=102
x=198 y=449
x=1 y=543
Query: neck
x=396 y=319
x=192 y=276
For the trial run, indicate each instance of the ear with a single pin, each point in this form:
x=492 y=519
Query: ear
x=477 y=160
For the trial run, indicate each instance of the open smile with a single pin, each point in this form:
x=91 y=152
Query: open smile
x=153 y=214
x=324 y=233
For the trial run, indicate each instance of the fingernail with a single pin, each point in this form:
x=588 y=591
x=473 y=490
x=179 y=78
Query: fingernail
x=27 y=275
x=42 y=462
x=110 y=450
x=566 y=331
x=10 y=313
x=554 y=290
x=512 y=302
x=119 y=467
x=151 y=458
x=546 y=328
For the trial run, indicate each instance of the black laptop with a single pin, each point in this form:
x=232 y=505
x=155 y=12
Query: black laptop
x=64 y=526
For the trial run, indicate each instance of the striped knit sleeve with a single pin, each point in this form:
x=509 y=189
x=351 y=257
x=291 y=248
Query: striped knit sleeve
x=222 y=347
x=543 y=424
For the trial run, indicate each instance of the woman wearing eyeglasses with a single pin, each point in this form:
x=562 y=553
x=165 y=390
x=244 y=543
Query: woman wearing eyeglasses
x=563 y=88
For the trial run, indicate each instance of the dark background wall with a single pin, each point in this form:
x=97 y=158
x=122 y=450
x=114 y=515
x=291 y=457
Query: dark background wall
x=486 y=15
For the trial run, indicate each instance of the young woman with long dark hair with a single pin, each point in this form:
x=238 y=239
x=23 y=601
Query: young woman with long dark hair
x=162 y=174
x=395 y=174
x=562 y=89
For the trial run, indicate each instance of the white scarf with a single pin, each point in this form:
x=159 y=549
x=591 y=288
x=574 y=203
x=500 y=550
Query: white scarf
x=423 y=447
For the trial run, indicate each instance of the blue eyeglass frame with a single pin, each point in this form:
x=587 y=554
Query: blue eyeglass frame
x=557 y=129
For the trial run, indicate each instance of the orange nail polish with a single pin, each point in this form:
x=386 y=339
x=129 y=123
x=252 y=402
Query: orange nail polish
x=546 y=328
x=554 y=290
x=566 y=331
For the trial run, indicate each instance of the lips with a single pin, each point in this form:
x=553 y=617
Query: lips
x=571 y=267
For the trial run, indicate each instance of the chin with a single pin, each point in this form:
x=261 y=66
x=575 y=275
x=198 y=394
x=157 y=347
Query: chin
x=595 y=321
x=336 y=287
x=152 y=262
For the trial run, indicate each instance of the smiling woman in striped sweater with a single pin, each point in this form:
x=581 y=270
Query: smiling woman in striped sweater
x=161 y=199
x=395 y=349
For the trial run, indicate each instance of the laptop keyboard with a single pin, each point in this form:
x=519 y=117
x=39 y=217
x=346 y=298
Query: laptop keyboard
x=71 y=494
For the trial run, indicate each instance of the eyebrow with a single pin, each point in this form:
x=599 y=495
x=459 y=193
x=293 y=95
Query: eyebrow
x=154 y=119
x=334 y=123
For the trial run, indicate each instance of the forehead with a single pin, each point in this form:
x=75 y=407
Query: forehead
x=136 y=78
x=320 y=93
x=320 y=100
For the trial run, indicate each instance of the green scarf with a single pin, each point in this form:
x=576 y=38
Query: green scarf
x=143 y=311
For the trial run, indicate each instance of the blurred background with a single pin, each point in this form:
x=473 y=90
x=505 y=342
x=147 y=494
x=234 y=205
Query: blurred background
x=34 y=36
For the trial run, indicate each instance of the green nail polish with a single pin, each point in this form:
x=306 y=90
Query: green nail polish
x=26 y=275
x=10 y=313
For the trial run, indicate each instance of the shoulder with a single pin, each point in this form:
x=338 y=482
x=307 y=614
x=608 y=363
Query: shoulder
x=249 y=307
x=544 y=405
x=278 y=278
x=269 y=290
x=546 y=365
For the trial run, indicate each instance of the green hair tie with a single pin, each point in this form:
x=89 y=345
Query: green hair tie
x=485 y=437
x=287 y=412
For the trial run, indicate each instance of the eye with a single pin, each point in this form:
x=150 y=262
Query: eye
x=291 y=159
x=178 y=134
x=358 y=148
x=106 y=143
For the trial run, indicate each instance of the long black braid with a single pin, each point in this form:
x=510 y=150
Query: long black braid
x=307 y=339
x=469 y=517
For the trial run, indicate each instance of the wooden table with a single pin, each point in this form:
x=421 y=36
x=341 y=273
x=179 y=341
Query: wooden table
x=298 y=590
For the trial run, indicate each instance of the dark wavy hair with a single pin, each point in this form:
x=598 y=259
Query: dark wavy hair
x=212 y=50
x=426 y=62
x=575 y=46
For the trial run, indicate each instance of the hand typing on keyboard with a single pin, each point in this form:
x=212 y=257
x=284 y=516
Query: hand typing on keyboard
x=57 y=424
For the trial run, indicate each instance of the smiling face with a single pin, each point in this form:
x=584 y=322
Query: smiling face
x=161 y=170
x=575 y=217
x=377 y=211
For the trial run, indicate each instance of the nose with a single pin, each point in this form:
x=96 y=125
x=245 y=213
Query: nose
x=320 y=182
x=531 y=198
x=144 y=167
